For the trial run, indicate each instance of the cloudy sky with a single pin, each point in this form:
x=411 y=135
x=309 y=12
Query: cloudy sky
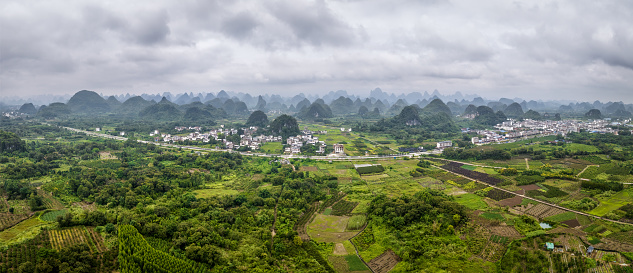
x=577 y=49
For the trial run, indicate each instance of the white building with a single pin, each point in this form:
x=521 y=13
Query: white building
x=338 y=149
x=444 y=144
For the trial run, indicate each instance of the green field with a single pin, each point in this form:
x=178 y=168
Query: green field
x=614 y=202
x=24 y=230
x=492 y=216
x=272 y=148
x=355 y=264
x=471 y=201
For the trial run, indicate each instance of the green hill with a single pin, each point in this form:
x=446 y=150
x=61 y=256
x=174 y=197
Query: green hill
x=514 y=110
x=28 y=108
x=53 y=110
x=285 y=126
x=88 y=102
x=160 y=111
x=437 y=106
x=257 y=118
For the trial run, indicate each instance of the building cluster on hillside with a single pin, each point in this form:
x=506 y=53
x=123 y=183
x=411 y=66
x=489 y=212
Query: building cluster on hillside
x=307 y=131
x=513 y=129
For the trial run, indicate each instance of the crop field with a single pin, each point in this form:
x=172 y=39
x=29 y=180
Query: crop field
x=471 y=201
x=24 y=230
x=343 y=207
x=342 y=265
x=493 y=252
x=68 y=237
x=356 y=222
x=614 y=202
x=384 y=262
x=504 y=231
x=51 y=216
x=8 y=220
x=498 y=195
x=562 y=217
x=329 y=228
x=542 y=211
x=492 y=216
x=456 y=168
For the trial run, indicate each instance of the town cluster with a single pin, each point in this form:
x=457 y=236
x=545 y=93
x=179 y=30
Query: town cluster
x=512 y=129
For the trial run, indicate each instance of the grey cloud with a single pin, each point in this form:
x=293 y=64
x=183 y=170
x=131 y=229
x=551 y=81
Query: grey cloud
x=239 y=25
x=313 y=23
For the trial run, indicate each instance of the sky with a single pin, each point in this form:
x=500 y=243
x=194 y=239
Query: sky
x=578 y=49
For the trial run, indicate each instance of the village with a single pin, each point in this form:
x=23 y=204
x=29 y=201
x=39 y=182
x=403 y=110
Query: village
x=248 y=139
x=510 y=130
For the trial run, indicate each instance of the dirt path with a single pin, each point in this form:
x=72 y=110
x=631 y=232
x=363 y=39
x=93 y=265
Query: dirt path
x=583 y=170
x=527 y=165
x=272 y=230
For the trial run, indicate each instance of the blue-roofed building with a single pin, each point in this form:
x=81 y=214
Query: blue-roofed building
x=590 y=250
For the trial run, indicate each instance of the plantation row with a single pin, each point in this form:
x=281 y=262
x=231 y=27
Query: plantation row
x=457 y=168
x=52 y=215
x=67 y=237
x=15 y=255
x=136 y=255
x=498 y=195
x=343 y=207
x=9 y=220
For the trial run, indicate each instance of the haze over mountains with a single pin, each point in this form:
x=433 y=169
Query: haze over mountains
x=211 y=106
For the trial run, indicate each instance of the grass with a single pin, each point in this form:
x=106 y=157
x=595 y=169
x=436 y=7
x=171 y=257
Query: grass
x=327 y=211
x=272 y=147
x=562 y=217
x=206 y=193
x=469 y=167
x=614 y=202
x=492 y=216
x=329 y=223
x=355 y=264
x=471 y=201
x=356 y=222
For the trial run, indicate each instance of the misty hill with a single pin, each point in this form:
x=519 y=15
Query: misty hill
x=113 y=102
x=164 y=110
x=437 y=106
x=88 y=102
x=487 y=116
x=315 y=111
x=196 y=114
x=134 y=105
x=53 y=110
x=28 y=108
x=342 y=106
x=233 y=108
x=514 y=110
